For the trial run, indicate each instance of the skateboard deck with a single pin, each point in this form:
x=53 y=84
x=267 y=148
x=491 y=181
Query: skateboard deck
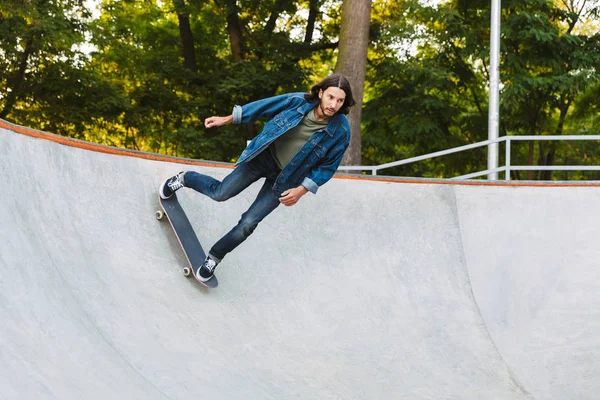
x=186 y=236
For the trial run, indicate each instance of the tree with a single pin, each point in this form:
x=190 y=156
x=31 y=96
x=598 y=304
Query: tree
x=547 y=66
x=179 y=62
x=435 y=96
x=187 y=37
x=153 y=70
x=38 y=40
x=426 y=90
x=352 y=62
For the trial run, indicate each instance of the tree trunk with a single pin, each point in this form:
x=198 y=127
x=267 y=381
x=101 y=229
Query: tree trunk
x=236 y=39
x=548 y=160
x=352 y=63
x=187 y=39
x=530 y=160
x=534 y=115
x=310 y=23
x=551 y=154
x=16 y=83
x=270 y=26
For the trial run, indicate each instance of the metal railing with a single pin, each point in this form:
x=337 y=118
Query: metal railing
x=507 y=168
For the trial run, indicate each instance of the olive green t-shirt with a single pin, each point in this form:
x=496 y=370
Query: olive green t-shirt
x=287 y=145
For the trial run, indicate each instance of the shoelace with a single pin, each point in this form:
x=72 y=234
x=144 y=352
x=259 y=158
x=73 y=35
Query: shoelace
x=175 y=184
x=210 y=265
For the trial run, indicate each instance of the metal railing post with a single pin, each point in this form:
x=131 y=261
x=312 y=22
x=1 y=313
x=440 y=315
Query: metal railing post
x=507 y=172
x=494 y=95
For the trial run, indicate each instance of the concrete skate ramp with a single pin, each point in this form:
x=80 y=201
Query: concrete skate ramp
x=372 y=289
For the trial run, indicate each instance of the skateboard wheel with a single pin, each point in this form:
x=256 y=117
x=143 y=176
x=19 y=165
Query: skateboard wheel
x=187 y=271
x=159 y=215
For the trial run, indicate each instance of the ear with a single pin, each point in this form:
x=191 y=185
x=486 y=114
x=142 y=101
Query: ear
x=320 y=93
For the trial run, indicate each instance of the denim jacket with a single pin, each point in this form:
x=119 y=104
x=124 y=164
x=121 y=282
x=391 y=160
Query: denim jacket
x=317 y=160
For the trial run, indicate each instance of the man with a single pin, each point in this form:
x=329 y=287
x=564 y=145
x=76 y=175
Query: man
x=299 y=150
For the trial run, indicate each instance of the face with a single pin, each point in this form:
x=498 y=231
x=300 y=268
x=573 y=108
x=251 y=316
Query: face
x=331 y=100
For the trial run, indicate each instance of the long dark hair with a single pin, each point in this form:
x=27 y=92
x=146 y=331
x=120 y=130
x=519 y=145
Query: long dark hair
x=335 y=80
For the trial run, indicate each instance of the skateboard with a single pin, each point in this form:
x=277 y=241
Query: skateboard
x=186 y=236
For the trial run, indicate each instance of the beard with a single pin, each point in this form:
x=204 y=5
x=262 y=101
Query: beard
x=323 y=108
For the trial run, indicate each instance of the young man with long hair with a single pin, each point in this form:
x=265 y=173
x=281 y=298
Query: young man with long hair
x=298 y=150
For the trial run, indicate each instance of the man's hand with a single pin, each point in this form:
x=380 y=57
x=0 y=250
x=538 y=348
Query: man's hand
x=217 y=121
x=291 y=196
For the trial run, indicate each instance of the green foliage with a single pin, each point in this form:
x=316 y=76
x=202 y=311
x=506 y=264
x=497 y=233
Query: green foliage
x=429 y=100
x=41 y=67
x=436 y=97
x=124 y=78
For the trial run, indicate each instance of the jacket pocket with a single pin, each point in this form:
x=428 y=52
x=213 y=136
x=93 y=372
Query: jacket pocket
x=319 y=150
x=279 y=121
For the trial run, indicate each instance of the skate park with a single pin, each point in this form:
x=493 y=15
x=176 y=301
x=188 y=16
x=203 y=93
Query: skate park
x=374 y=288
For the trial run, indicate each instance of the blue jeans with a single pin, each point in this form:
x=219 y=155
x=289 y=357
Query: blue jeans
x=262 y=166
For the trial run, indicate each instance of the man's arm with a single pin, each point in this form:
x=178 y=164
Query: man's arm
x=265 y=108
x=251 y=112
x=325 y=170
x=322 y=173
x=218 y=121
x=291 y=196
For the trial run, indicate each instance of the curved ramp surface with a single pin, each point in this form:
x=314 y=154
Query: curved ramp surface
x=372 y=289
